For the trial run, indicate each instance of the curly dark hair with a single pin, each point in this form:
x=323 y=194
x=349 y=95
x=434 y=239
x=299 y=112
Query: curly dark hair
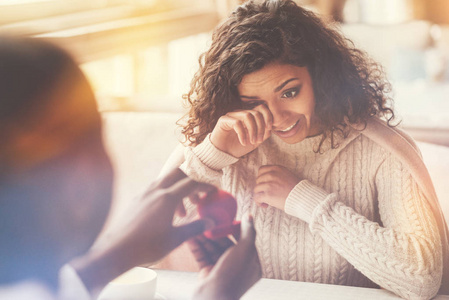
x=348 y=85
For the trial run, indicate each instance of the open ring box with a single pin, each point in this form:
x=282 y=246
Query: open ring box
x=136 y=284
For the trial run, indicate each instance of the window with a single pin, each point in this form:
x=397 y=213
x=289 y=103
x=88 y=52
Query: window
x=129 y=49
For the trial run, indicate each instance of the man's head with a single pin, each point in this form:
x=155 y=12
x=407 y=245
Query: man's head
x=55 y=177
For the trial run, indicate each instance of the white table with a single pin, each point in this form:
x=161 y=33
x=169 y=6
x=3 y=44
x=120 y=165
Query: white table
x=180 y=285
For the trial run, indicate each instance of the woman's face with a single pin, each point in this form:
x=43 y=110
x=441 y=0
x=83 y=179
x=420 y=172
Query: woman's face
x=287 y=91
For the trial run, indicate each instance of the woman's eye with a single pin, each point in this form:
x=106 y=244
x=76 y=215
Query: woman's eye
x=290 y=93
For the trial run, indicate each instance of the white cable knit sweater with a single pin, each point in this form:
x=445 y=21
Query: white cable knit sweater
x=358 y=218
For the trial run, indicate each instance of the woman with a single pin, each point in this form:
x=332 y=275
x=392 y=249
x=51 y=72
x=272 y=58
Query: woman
x=286 y=115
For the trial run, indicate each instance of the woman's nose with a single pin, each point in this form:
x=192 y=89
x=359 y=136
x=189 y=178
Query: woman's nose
x=277 y=113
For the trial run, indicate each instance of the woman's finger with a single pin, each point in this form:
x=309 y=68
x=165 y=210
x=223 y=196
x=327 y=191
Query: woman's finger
x=254 y=123
x=266 y=113
x=258 y=198
x=265 y=178
x=241 y=132
x=267 y=169
x=251 y=125
x=263 y=193
x=261 y=125
x=268 y=174
x=263 y=187
x=231 y=121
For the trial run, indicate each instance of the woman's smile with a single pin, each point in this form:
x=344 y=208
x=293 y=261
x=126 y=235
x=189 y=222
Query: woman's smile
x=289 y=131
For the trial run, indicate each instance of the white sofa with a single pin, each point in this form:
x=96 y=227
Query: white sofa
x=138 y=143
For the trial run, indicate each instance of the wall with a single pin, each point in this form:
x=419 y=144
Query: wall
x=436 y=11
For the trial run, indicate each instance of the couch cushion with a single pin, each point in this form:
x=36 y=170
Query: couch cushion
x=436 y=159
x=138 y=144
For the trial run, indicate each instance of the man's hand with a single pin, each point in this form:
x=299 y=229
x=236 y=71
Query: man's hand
x=144 y=232
x=227 y=270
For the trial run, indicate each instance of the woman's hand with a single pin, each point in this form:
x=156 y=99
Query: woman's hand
x=240 y=132
x=228 y=270
x=143 y=233
x=273 y=185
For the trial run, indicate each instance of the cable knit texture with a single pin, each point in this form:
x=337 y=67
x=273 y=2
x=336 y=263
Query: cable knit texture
x=358 y=218
x=303 y=199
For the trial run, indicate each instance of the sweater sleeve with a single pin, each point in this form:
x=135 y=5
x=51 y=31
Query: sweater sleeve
x=205 y=162
x=402 y=254
x=303 y=199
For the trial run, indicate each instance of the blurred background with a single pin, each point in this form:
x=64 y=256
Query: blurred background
x=140 y=55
